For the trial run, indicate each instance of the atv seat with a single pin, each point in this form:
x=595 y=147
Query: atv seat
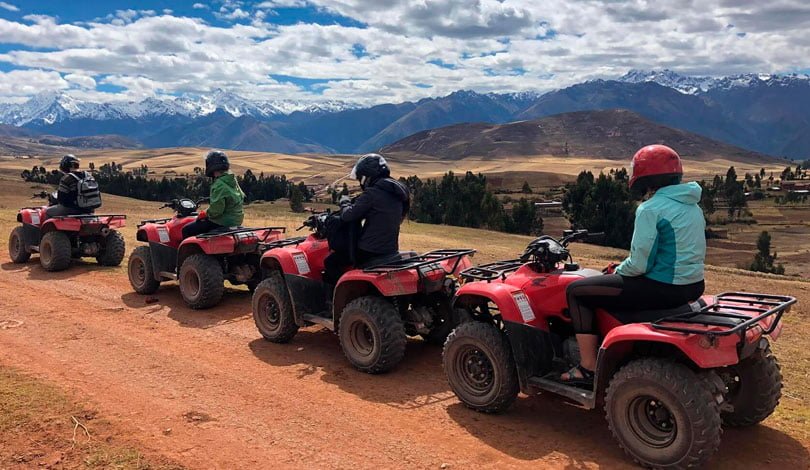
x=386 y=259
x=223 y=230
x=644 y=316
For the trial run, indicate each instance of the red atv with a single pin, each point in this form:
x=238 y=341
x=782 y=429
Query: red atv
x=58 y=240
x=374 y=307
x=202 y=263
x=666 y=386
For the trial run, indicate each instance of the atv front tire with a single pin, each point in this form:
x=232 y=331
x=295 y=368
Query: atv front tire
x=662 y=414
x=372 y=334
x=141 y=271
x=479 y=366
x=17 y=250
x=55 y=251
x=272 y=310
x=114 y=250
x=755 y=387
x=202 y=282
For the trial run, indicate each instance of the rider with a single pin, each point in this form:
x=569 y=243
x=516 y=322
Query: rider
x=225 y=204
x=68 y=190
x=382 y=207
x=665 y=266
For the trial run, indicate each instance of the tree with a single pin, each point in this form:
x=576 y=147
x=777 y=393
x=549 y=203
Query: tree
x=525 y=219
x=296 y=199
x=526 y=189
x=763 y=259
x=601 y=204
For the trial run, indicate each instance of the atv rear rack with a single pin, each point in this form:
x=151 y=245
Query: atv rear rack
x=491 y=271
x=419 y=261
x=237 y=231
x=728 y=311
x=283 y=243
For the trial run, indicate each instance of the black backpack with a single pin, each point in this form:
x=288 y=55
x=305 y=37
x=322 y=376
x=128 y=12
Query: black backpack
x=88 y=195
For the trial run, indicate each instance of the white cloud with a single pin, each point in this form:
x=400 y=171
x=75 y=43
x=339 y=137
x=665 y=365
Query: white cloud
x=8 y=6
x=81 y=81
x=200 y=6
x=490 y=45
x=17 y=84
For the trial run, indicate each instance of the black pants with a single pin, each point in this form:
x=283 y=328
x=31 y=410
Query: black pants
x=622 y=296
x=60 y=211
x=337 y=261
x=198 y=227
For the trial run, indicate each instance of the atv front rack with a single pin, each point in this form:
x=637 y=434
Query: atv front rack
x=85 y=217
x=728 y=314
x=422 y=260
x=283 y=243
x=491 y=271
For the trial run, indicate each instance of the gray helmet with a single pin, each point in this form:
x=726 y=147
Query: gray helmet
x=369 y=168
x=216 y=160
x=69 y=163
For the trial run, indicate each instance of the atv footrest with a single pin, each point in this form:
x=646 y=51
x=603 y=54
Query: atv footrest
x=319 y=320
x=584 y=397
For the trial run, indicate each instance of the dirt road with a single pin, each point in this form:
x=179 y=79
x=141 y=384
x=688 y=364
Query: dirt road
x=203 y=389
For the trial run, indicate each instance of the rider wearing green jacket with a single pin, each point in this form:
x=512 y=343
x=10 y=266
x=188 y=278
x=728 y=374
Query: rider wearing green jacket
x=226 y=201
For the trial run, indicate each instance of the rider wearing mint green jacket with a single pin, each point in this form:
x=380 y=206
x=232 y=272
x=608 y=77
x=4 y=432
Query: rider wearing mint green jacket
x=669 y=241
x=665 y=266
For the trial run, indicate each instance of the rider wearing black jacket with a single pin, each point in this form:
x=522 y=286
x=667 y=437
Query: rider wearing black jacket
x=68 y=189
x=382 y=207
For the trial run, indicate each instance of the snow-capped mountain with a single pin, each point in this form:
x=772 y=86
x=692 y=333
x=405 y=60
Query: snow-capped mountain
x=693 y=85
x=49 y=108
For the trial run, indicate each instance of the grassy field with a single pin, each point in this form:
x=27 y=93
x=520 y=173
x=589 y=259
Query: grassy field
x=540 y=171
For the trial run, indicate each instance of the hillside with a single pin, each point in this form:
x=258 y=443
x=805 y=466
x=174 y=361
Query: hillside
x=22 y=141
x=611 y=134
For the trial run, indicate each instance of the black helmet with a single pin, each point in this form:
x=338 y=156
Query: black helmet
x=369 y=168
x=216 y=160
x=69 y=163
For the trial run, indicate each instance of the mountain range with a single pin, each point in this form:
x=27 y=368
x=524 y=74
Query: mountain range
x=769 y=114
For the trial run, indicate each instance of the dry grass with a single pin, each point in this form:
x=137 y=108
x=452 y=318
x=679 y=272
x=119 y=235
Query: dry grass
x=38 y=428
x=540 y=170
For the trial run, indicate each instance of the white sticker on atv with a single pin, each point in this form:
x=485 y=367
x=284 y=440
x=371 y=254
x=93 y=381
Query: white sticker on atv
x=523 y=305
x=163 y=234
x=301 y=263
x=34 y=218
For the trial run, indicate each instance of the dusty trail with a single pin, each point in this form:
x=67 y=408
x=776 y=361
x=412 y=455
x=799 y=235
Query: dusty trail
x=232 y=400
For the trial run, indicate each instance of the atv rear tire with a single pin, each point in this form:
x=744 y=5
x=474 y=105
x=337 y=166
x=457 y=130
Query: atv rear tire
x=662 y=414
x=141 y=271
x=479 y=366
x=17 y=250
x=438 y=334
x=372 y=334
x=755 y=387
x=55 y=251
x=202 y=282
x=272 y=310
x=114 y=250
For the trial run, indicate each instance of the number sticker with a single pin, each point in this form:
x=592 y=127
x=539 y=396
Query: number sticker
x=301 y=263
x=523 y=305
x=163 y=234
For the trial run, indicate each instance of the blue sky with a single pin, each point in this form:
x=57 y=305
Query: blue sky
x=374 y=51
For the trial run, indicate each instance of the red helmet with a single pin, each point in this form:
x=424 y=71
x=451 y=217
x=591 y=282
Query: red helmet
x=656 y=161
